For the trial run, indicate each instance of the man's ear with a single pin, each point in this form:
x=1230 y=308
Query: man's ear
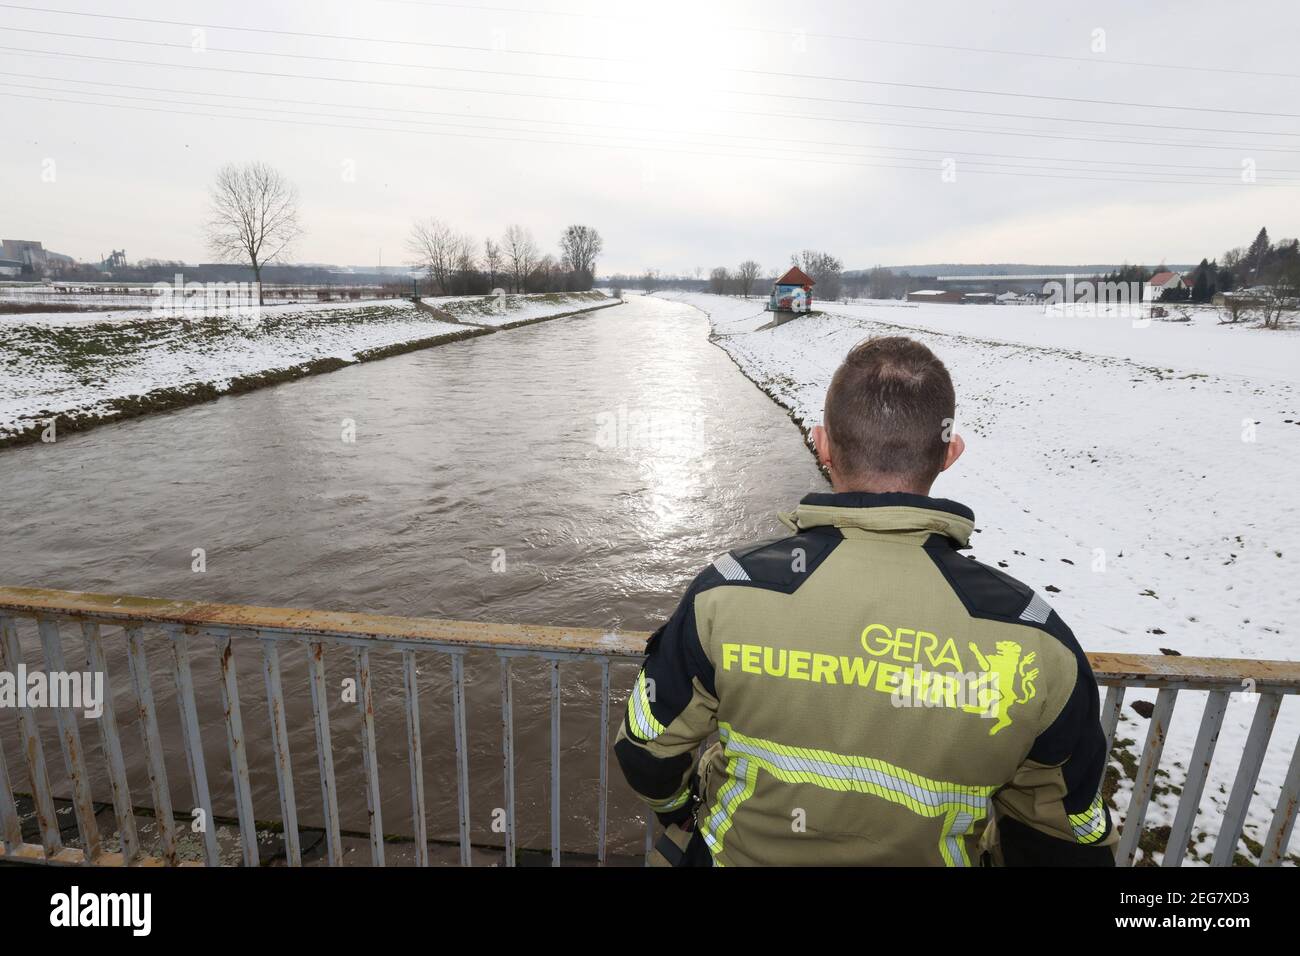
x=956 y=445
x=822 y=445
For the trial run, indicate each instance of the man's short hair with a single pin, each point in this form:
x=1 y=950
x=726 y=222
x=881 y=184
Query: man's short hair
x=889 y=411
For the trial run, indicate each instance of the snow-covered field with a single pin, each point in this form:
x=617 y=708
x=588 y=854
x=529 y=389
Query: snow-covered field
x=78 y=368
x=1140 y=475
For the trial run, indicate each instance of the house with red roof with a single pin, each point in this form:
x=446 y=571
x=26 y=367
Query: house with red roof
x=792 y=292
x=1162 y=282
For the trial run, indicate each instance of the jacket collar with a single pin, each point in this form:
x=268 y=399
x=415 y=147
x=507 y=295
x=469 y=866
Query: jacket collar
x=893 y=513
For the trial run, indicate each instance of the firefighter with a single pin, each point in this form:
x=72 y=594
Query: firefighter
x=873 y=696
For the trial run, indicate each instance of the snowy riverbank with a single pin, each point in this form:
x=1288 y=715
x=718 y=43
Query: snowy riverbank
x=82 y=369
x=1140 y=476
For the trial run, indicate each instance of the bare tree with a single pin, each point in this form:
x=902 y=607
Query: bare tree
x=253 y=217
x=433 y=247
x=547 y=275
x=465 y=260
x=719 y=281
x=824 y=269
x=1279 y=299
x=520 y=253
x=746 y=273
x=492 y=260
x=1234 y=308
x=580 y=246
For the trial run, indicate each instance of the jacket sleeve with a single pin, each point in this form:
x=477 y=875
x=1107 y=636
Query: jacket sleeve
x=672 y=709
x=1052 y=812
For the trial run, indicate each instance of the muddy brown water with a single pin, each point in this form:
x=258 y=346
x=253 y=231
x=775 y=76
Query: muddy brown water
x=577 y=472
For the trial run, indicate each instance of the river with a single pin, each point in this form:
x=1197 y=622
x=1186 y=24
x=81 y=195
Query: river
x=576 y=472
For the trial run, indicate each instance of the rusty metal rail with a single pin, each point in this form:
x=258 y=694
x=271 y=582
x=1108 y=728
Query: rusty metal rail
x=309 y=632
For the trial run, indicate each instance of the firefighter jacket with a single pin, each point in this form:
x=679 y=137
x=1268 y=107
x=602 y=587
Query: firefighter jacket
x=872 y=697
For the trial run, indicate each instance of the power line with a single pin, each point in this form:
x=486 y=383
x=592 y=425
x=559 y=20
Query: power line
x=606 y=145
x=750 y=71
x=1181 y=144
x=427 y=44
x=766 y=146
x=1093 y=61
x=621 y=82
x=368 y=108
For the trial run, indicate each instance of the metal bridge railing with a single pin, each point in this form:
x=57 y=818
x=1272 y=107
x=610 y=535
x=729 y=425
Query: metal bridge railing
x=309 y=632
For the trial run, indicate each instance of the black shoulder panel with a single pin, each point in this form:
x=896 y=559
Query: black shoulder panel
x=785 y=564
x=986 y=592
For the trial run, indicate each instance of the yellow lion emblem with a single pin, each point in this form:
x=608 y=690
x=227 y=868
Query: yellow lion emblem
x=997 y=689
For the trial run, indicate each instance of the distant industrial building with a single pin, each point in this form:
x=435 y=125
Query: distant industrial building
x=954 y=297
x=29 y=253
x=31 y=256
x=934 y=295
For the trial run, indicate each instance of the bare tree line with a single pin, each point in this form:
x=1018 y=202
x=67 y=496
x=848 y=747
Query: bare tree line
x=456 y=264
x=253 y=220
x=824 y=269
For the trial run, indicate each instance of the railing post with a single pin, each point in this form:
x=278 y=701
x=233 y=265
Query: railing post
x=325 y=752
x=112 y=743
x=415 y=757
x=1110 y=710
x=34 y=753
x=11 y=830
x=369 y=758
x=70 y=739
x=1279 y=831
x=147 y=715
x=283 y=762
x=603 y=810
x=1146 y=778
x=555 y=763
x=508 y=749
x=462 y=755
x=1243 y=788
x=193 y=741
x=1198 y=768
x=229 y=686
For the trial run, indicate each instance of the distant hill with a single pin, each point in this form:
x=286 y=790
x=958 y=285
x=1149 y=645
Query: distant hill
x=1009 y=268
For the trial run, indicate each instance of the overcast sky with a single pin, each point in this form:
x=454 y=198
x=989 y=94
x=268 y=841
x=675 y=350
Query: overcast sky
x=691 y=134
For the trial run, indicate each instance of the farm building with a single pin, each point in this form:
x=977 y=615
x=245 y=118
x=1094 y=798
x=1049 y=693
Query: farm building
x=1160 y=283
x=934 y=295
x=792 y=292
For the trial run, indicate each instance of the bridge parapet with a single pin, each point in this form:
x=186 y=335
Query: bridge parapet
x=183 y=623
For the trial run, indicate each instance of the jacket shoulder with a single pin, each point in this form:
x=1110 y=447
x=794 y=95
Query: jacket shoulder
x=988 y=592
x=782 y=564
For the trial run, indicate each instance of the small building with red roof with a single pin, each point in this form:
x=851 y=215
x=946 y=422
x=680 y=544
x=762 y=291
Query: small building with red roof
x=1161 y=282
x=792 y=292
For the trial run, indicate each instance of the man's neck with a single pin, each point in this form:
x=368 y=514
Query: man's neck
x=876 y=487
